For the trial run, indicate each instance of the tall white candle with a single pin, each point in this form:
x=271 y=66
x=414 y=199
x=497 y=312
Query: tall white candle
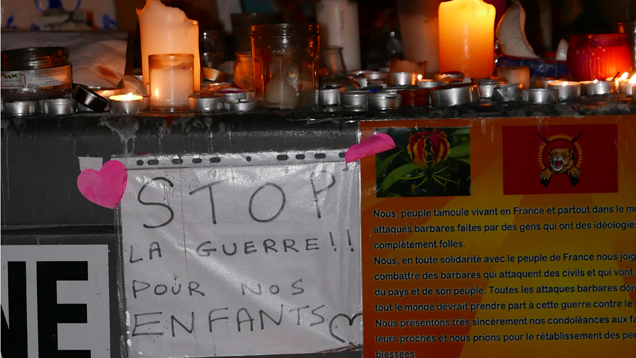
x=338 y=21
x=419 y=26
x=170 y=87
x=166 y=29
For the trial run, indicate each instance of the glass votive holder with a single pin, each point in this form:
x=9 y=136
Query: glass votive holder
x=598 y=56
x=244 y=71
x=285 y=64
x=171 y=81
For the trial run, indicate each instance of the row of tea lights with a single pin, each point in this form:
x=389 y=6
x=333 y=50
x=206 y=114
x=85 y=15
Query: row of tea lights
x=394 y=89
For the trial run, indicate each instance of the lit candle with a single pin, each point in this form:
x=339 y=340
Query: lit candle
x=466 y=37
x=125 y=104
x=596 y=87
x=568 y=91
x=626 y=87
x=164 y=30
x=171 y=81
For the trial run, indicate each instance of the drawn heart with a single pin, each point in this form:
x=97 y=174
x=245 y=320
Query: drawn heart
x=338 y=323
x=375 y=144
x=106 y=186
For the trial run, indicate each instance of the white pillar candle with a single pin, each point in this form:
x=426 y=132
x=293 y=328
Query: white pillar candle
x=419 y=26
x=166 y=29
x=338 y=21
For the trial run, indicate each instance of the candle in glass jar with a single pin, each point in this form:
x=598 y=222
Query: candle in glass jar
x=466 y=37
x=171 y=81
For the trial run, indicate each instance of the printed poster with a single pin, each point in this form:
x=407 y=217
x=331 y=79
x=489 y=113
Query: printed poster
x=500 y=237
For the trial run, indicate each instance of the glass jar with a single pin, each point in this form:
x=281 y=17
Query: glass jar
x=36 y=73
x=592 y=57
x=244 y=70
x=171 y=81
x=212 y=46
x=285 y=58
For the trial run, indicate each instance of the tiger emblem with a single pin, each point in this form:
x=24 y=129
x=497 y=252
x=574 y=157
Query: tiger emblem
x=561 y=161
x=560 y=154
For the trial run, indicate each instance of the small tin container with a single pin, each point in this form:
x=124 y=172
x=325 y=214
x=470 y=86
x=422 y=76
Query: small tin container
x=384 y=101
x=19 y=108
x=356 y=98
x=401 y=79
x=330 y=95
x=540 y=96
x=568 y=90
x=395 y=89
x=430 y=84
x=89 y=99
x=507 y=92
x=626 y=87
x=448 y=77
x=597 y=88
x=487 y=86
x=455 y=95
x=125 y=104
x=58 y=106
x=206 y=103
x=241 y=105
x=374 y=75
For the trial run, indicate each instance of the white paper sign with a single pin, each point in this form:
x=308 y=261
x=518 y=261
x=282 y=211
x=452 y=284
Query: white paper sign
x=261 y=259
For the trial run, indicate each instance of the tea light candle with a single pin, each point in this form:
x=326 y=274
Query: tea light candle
x=625 y=86
x=125 y=104
x=466 y=37
x=596 y=87
x=568 y=91
x=516 y=74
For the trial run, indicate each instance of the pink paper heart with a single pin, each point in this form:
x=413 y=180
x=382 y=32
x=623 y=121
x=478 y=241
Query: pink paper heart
x=375 y=144
x=106 y=186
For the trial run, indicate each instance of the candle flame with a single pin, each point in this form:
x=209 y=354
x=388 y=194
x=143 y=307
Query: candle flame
x=419 y=77
x=564 y=83
x=595 y=81
x=126 y=97
x=624 y=76
x=633 y=79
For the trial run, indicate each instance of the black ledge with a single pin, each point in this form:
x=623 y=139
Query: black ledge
x=39 y=153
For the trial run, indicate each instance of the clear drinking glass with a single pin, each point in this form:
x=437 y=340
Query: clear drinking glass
x=285 y=60
x=244 y=70
x=171 y=81
x=331 y=58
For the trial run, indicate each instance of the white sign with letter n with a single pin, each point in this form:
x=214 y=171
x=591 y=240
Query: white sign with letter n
x=241 y=255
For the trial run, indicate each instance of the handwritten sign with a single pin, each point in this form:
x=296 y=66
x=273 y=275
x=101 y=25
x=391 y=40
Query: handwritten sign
x=229 y=260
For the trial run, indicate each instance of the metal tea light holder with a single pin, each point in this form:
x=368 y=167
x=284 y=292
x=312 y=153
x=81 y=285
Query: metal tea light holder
x=19 y=108
x=125 y=104
x=355 y=100
x=507 y=92
x=401 y=79
x=330 y=95
x=487 y=86
x=597 y=88
x=568 y=91
x=58 y=106
x=540 y=96
x=384 y=101
x=206 y=103
x=455 y=95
